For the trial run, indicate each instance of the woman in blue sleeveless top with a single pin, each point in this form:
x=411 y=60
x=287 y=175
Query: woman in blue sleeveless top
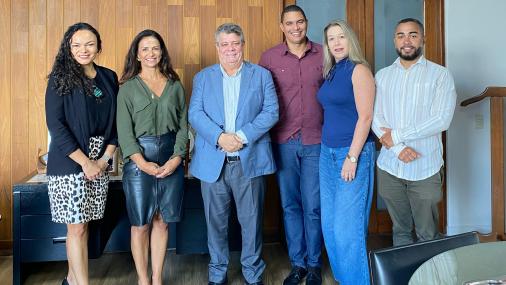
x=347 y=153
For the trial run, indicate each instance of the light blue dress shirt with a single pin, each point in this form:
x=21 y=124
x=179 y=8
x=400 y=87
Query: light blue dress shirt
x=231 y=90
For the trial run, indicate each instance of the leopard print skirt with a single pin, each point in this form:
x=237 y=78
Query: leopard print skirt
x=73 y=198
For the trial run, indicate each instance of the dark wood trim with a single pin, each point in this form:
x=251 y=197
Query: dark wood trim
x=434 y=50
x=360 y=16
x=289 y=2
x=489 y=92
x=497 y=161
x=434 y=31
x=5 y=246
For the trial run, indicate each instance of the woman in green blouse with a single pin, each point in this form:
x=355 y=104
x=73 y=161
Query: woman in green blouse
x=152 y=133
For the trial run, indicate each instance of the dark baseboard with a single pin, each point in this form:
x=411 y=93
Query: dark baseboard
x=5 y=247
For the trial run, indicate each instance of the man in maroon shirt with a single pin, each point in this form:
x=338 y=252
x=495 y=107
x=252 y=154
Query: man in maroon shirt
x=296 y=67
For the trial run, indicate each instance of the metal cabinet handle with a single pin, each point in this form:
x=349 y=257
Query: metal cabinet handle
x=59 y=239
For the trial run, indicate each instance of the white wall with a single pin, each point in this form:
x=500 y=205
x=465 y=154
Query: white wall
x=476 y=56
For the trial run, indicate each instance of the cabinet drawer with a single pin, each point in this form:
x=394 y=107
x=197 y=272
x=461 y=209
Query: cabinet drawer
x=33 y=250
x=41 y=226
x=34 y=203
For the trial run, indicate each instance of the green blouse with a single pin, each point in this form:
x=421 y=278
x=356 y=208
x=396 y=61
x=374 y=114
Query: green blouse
x=141 y=113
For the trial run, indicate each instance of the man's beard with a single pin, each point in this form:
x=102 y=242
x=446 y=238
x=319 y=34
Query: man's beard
x=412 y=56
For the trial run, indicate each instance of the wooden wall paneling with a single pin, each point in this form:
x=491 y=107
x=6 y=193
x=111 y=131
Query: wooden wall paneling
x=224 y=8
x=191 y=8
x=271 y=19
x=54 y=30
x=159 y=19
x=240 y=16
x=19 y=89
x=174 y=41
x=207 y=41
x=271 y=35
x=124 y=32
x=107 y=29
x=220 y=21
x=187 y=79
x=256 y=45
x=5 y=122
x=37 y=133
x=90 y=12
x=256 y=3
x=141 y=16
x=175 y=2
x=71 y=12
x=191 y=40
x=207 y=2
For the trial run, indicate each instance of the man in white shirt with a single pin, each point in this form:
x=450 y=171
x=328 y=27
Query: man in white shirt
x=415 y=101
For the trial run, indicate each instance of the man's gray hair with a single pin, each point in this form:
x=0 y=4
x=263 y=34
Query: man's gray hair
x=229 y=28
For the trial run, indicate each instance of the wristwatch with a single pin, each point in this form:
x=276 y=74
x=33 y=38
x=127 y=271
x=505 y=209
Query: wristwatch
x=351 y=158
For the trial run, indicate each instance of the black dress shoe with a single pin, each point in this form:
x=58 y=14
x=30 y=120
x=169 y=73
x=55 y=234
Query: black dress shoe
x=296 y=275
x=314 y=276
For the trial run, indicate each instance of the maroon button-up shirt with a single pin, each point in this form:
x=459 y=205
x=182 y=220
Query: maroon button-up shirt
x=297 y=81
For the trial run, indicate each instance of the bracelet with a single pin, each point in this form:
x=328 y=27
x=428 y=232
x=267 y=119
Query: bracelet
x=106 y=157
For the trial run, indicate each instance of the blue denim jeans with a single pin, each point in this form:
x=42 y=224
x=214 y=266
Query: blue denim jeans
x=298 y=181
x=345 y=213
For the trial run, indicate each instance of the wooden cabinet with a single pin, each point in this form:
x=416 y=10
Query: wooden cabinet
x=37 y=238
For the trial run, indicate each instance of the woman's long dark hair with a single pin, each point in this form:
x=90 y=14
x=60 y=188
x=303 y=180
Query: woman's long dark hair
x=67 y=72
x=133 y=66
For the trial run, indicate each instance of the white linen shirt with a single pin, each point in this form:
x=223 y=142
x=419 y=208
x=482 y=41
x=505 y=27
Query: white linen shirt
x=417 y=104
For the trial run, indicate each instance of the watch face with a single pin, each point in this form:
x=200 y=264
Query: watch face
x=352 y=158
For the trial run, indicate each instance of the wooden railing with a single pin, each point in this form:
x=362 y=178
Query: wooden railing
x=496 y=95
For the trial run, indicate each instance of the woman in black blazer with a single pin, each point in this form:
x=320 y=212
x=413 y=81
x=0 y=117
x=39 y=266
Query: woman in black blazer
x=80 y=115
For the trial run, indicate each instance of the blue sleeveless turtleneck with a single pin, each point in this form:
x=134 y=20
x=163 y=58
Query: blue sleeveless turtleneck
x=339 y=110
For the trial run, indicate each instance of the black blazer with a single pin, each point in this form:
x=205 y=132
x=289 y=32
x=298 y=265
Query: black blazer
x=67 y=122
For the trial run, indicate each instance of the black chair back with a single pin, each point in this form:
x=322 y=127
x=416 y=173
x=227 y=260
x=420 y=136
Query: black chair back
x=395 y=265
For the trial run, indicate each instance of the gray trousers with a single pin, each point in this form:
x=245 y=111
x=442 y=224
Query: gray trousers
x=411 y=202
x=248 y=195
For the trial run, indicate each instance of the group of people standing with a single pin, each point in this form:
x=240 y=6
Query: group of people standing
x=305 y=113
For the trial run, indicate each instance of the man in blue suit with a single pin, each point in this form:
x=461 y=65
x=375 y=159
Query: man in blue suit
x=232 y=108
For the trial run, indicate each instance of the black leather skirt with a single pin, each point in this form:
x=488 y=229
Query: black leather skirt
x=146 y=194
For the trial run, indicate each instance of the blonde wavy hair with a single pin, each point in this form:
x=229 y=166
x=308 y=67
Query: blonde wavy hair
x=355 y=52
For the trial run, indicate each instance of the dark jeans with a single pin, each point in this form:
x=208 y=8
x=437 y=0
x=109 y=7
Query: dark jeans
x=298 y=182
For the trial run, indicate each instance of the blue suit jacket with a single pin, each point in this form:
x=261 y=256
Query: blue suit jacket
x=257 y=112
